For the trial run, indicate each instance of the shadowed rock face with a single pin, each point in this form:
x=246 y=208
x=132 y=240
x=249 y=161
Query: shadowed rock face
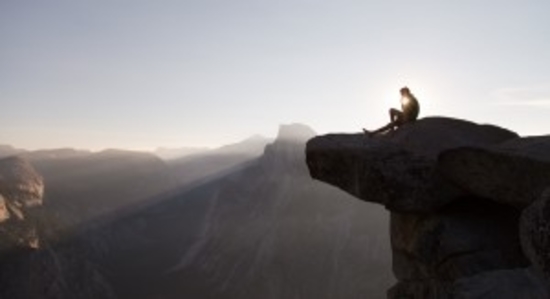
x=398 y=170
x=380 y=171
x=456 y=191
x=535 y=233
x=459 y=240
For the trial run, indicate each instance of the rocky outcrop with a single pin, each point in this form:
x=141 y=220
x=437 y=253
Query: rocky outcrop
x=4 y=213
x=456 y=191
x=398 y=170
x=20 y=183
x=21 y=191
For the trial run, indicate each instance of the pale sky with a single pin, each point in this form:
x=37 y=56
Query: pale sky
x=140 y=74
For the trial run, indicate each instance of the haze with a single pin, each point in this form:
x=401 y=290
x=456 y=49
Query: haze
x=142 y=74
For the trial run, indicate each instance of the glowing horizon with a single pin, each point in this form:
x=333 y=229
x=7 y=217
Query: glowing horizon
x=141 y=75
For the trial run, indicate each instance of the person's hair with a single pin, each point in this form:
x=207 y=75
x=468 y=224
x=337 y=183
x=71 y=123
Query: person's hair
x=405 y=90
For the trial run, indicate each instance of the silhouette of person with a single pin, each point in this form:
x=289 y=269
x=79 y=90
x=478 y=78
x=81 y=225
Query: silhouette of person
x=410 y=108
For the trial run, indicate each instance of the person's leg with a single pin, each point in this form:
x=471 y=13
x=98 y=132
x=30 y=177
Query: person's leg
x=394 y=114
x=396 y=118
x=380 y=130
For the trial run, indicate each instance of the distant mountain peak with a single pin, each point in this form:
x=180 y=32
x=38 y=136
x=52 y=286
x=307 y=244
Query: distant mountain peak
x=295 y=132
x=7 y=150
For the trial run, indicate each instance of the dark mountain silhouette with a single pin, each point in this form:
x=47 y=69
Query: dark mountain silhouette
x=82 y=185
x=264 y=229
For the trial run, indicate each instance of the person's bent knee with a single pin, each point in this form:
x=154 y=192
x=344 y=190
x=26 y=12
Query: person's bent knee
x=393 y=113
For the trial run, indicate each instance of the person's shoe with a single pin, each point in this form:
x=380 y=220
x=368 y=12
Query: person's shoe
x=368 y=133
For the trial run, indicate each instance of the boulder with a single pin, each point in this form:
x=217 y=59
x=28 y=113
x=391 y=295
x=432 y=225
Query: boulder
x=514 y=172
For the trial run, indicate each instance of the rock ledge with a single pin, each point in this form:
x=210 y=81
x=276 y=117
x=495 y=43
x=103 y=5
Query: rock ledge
x=456 y=191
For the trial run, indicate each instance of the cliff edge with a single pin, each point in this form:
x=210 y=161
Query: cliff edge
x=468 y=203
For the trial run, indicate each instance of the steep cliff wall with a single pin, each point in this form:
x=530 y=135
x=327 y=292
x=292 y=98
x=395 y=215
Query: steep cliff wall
x=467 y=201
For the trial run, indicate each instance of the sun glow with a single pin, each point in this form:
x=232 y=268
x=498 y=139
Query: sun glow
x=424 y=87
x=405 y=101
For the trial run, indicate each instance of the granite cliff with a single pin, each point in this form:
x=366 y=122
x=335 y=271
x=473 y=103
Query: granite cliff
x=21 y=192
x=468 y=203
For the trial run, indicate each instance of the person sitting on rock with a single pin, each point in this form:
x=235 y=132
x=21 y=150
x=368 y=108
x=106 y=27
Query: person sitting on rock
x=410 y=108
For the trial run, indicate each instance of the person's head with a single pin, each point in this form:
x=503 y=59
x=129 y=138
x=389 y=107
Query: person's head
x=405 y=91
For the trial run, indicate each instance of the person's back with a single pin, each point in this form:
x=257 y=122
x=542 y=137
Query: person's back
x=409 y=105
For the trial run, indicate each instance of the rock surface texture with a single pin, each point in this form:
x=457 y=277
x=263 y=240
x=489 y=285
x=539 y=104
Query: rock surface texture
x=468 y=204
x=21 y=192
